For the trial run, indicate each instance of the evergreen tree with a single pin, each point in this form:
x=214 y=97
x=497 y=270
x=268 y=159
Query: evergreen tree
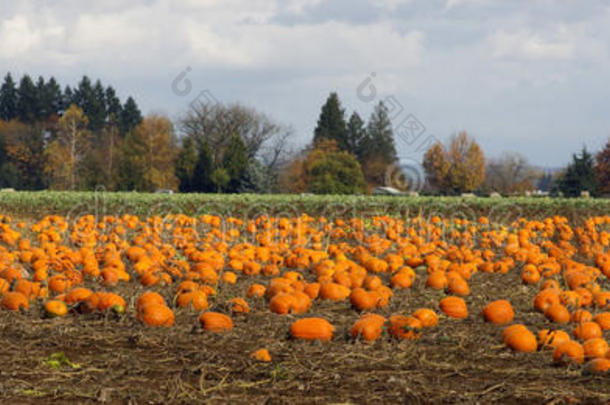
x=82 y=93
x=579 y=176
x=201 y=179
x=377 y=150
x=185 y=165
x=27 y=100
x=90 y=98
x=381 y=135
x=331 y=123
x=68 y=99
x=235 y=162
x=356 y=135
x=40 y=109
x=130 y=116
x=113 y=105
x=53 y=98
x=8 y=99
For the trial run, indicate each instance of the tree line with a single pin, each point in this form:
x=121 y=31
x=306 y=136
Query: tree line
x=84 y=137
x=62 y=138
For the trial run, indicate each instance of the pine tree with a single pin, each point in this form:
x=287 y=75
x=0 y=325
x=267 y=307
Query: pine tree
x=91 y=100
x=579 y=176
x=331 y=123
x=356 y=136
x=378 y=151
x=201 y=179
x=40 y=109
x=27 y=100
x=68 y=99
x=130 y=116
x=96 y=107
x=53 y=98
x=113 y=105
x=381 y=135
x=8 y=99
x=235 y=162
x=185 y=165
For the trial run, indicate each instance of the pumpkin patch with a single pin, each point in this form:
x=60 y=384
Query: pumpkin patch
x=524 y=288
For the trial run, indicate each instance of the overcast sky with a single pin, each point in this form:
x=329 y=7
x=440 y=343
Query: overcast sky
x=529 y=76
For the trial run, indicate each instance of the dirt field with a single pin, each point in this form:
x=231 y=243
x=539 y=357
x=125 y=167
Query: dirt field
x=117 y=360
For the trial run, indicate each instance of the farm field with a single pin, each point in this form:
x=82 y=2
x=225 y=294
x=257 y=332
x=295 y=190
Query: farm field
x=107 y=297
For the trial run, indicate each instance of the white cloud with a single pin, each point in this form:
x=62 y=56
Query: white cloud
x=532 y=45
x=17 y=38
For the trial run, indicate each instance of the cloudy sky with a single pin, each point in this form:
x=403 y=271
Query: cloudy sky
x=529 y=76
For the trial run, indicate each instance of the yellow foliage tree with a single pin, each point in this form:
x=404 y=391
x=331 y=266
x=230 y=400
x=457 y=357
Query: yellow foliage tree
x=66 y=154
x=459 y=168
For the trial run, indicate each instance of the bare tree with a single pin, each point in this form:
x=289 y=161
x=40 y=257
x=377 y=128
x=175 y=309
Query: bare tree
x=217 y=123
x=510 y=174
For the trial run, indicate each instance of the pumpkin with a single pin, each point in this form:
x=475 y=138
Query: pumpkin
x=261 y=355
x=229 y=277
x=603 y=320
x=55 y=308
x=334 y=291
x=598 y=366
x=552 y=338
x=512 y=328
x=193 y=299
x=154 y=314
x=282 y=303
x=312 y=329
x=403 y=278
x=14 y=301
x=149 y=297
x=216 y=322
x=454 y=307
x=587 y=330
x=301 y=302
x=458 y=286
x=78 y=294
x=405 y=327
x=437 y=280
x=111 y=301
x=499 y=312
x=569 y=351
x=530 y=274
x=594 y=348
x=546 y=298
x=521 y=340
x=557 y=313
x=369 y=327
x=427 y=317
x=256 y=290
x=581 y=315
x=363 y=300
x=239 y=305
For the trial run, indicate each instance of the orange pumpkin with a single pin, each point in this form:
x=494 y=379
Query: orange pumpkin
x=454 y=307
x=216 y=322
x=521 y=340
x=312 y=329
x=405 y=327
x=55 y=308
x=14 y=301
x=154 y=314
x=569 y=351
x=427 y=317
x=499 y=312
x=369 y=327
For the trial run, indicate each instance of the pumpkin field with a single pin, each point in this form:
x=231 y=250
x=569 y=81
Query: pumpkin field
x=164 y=299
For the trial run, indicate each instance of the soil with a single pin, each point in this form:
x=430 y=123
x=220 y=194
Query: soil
x=115 y=359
